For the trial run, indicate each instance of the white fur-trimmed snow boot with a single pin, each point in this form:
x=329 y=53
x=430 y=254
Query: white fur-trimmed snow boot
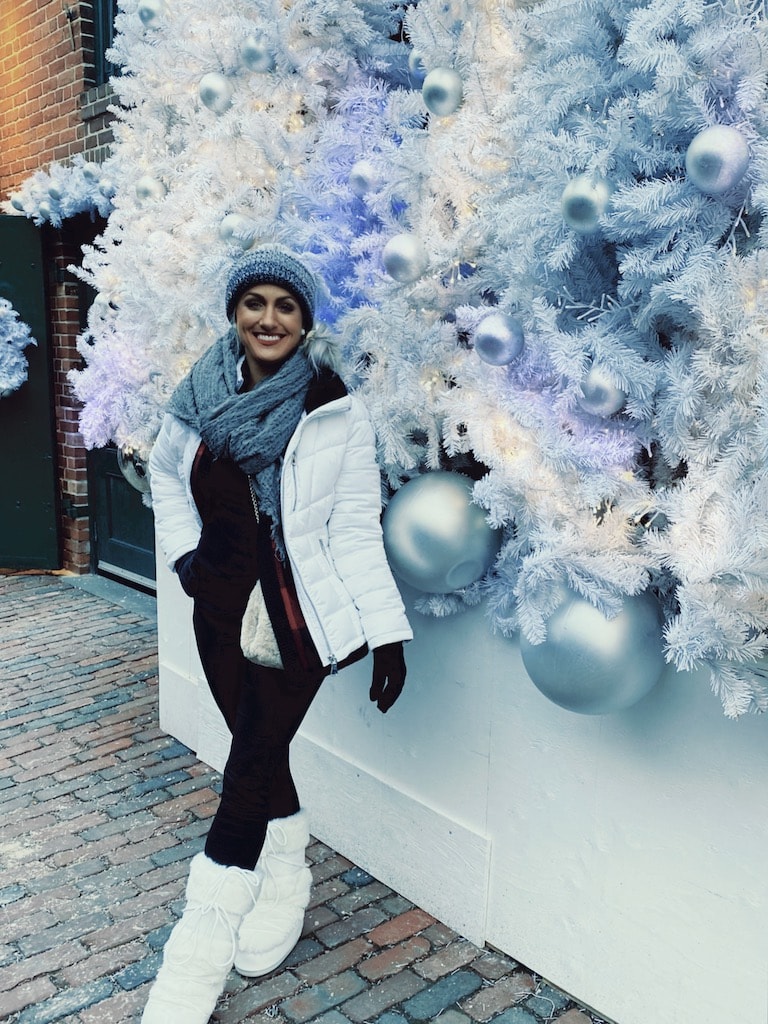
x=271 y=930
x=201 y=949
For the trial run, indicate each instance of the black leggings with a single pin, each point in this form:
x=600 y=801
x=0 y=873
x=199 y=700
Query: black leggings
x=263 y=708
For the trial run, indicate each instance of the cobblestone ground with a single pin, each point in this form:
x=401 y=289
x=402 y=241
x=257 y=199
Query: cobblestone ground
x=100 y=813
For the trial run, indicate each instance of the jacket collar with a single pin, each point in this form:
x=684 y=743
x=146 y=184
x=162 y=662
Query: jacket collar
x=326 y=386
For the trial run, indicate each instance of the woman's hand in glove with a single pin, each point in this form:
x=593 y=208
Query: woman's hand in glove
x=185 y=570
x=388 y=675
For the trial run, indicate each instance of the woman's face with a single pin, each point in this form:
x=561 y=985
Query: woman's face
x=268 y=321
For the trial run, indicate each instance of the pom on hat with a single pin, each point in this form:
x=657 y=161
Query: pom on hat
x=273 y=264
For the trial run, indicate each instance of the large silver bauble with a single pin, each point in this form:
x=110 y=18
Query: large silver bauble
x=599 y=395
x=442 y=91
x=498 y=339
x=594 y=665
x=717 y=159
x=583 y=202
x=134 y=465
x=405 y=257
x=435 y=538
x=256 y=55
x=215 y=92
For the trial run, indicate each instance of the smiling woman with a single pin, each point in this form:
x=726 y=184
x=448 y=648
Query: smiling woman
x=267 y=502
x=268 y=320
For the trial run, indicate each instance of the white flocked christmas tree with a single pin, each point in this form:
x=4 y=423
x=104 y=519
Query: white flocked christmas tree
x=541 y=227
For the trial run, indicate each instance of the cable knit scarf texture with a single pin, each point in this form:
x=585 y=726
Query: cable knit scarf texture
x=252 y=428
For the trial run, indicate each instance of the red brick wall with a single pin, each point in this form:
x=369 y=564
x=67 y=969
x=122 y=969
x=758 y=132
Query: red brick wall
x=49 y=111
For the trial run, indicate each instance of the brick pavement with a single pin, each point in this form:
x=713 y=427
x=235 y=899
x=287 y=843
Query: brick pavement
x=101 y=813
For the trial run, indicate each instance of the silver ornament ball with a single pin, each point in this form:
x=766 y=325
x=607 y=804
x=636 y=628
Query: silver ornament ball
x=44 y=209
x=442 y=91
x=363 y=177
x=583 y=202
x=594 y=665
x=256 y=54
x=717 y=159
x=405 y=258
x=237 y=230
x=148 y=187
x=436 y=539
x=416 y=66
x=498 y=339
x=599 y=395
x=134 y=465
x=151 y=13
x=215 y=92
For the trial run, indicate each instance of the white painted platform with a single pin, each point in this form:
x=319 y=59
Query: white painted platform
x=623 y=858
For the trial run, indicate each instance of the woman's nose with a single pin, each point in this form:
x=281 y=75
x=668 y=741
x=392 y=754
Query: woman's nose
x=268 y=315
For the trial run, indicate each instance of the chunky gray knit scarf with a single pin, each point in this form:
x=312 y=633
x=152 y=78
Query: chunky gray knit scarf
x=252 y=428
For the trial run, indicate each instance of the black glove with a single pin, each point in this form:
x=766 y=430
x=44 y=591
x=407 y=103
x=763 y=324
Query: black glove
x=185 y=570
x=388 y=675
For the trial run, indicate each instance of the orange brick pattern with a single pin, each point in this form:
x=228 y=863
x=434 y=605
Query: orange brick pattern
x=51 y=110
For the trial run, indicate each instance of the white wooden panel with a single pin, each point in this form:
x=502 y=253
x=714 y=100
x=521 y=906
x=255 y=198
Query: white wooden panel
x=425 y=856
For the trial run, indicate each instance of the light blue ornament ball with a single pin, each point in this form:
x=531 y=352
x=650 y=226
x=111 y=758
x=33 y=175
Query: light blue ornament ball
x=717 y=159
x=593 y=665
x=442 y=91
x=436 y=539
x=405 y=258
x=215 y=92
x=599 y=395
x=584 y=201
x=498 y=339
x=416 y=66
x=256 y=55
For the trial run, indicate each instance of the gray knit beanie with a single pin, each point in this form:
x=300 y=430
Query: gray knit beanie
x=273 y=264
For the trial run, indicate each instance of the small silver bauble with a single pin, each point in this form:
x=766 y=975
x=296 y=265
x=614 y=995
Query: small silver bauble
x=717 y=159
x=584 y=201
x=134 y=465
x=44 y=209
x=55 y=192
x=237 y=230
x=256 y=54
x=435 y=538
x=91 y=171
x=498 y=339
x=107 y=187
x=148 y=187
x=416 y=66
x=443 y=91
x=599 y=395
x=216 y=92
x=151 y=12
x=594 y=665
x=405 y=258
x=363 y=177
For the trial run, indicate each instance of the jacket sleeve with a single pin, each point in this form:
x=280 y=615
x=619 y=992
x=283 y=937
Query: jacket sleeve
x=356 y=539
x=176 y=521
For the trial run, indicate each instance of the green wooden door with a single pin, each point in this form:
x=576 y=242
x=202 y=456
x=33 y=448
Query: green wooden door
x=28 y=513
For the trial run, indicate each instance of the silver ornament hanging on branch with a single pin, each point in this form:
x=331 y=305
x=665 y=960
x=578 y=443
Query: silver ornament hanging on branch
x=256 y=54
x=237 y=230
x=436 y=539
x=363 y=177
x=442 y=91
x=599 y=395
x=593 y=665
x=717 y=159
x=583 y=202
x=134 y=465
x=215 y=92
x=498 y=339
x=405 y=258
x=151 y=13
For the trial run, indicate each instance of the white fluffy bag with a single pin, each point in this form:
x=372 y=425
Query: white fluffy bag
x=257 y=638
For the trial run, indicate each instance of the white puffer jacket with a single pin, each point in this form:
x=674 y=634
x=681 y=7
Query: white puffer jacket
x=331 y=505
